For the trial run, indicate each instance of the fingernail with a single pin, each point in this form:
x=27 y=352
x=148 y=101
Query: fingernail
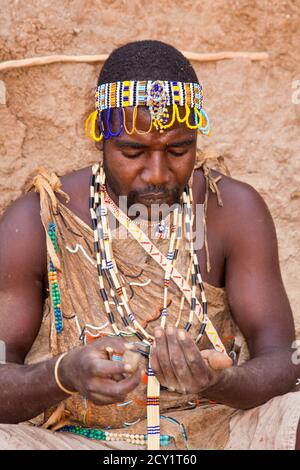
x=181 y=334
x=169 y=330
x=129 y=346
x=171 y=389
x=109 y=349
x=128 y=368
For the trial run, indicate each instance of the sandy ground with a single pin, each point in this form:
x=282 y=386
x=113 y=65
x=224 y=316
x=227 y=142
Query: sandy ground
x=255 y=122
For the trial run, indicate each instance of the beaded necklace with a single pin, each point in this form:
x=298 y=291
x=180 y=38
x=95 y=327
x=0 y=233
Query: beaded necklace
x=99 y=204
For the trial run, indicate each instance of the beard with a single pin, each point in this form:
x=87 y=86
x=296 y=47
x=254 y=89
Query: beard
x=167 y=196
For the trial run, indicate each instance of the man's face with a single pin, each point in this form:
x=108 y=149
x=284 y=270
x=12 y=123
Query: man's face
x=149 y=168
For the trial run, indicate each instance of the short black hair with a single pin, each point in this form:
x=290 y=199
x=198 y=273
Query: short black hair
x=147 y=60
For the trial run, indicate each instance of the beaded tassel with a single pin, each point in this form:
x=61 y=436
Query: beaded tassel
x=52 y=275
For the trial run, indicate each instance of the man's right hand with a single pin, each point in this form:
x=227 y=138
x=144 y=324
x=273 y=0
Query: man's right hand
x=88 y=370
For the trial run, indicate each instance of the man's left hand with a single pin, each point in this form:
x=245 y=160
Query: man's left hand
x=179 y=365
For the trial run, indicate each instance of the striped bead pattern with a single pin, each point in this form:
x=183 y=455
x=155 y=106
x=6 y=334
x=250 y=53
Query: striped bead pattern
x=138 y=93
x=53 y=283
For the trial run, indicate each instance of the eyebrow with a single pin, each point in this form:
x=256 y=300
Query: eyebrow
x=137 y=145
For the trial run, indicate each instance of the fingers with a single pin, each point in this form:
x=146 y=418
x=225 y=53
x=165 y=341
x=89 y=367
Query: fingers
x=160 y=360
x=216 y=360
x=113 y=391
x=203 y=375
x=104 y=368
x=116 y=344
x=110 y=347
x=156 y=366
x=200 y=372
x=178 y=361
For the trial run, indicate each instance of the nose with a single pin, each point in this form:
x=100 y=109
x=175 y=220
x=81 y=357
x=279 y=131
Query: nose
x=156 y=171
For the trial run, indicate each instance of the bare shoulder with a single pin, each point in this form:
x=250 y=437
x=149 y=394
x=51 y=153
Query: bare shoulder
x=235 y=193
x=22 y=234
x=239 y=196
x=77 y=185
x=244 y=210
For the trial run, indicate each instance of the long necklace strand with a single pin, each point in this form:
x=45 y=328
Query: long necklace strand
x=108 y=270
x=159 y=258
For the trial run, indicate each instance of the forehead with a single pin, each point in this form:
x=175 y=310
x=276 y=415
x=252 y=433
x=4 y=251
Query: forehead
x=140 y=117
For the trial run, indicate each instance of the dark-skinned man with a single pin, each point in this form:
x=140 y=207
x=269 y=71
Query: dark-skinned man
x=99 y=300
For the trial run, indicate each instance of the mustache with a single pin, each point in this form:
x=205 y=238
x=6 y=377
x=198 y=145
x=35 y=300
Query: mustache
x=173 y=194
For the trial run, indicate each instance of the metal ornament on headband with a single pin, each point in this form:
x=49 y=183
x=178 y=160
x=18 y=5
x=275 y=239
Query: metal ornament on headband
x=158 y=96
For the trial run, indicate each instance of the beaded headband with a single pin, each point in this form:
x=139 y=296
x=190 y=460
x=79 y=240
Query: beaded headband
x=157 y=96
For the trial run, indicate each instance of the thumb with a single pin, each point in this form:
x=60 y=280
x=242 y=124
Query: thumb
x=216 y=360
x=111 y=345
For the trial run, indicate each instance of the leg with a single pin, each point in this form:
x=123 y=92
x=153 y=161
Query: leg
x=272 y=426
x=25 y=437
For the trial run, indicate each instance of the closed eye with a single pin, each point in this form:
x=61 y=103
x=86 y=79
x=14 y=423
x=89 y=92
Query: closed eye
x=177 y=153
x=136 y=149
x=133 y=154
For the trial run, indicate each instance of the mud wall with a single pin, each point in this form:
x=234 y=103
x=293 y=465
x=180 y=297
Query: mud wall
x=255 y=110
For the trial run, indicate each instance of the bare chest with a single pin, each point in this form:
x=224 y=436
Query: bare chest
x=216 y=275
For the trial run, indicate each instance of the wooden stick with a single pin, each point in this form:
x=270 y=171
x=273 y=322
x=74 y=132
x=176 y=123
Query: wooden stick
x=194 y=56
x=215 y=56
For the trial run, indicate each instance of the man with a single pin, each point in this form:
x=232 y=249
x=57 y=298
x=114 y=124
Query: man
x=47 y=240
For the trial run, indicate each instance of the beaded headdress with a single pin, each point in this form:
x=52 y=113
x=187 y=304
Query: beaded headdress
x=159 y=96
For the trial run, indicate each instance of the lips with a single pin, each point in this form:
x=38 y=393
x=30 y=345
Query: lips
x=153 y=196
